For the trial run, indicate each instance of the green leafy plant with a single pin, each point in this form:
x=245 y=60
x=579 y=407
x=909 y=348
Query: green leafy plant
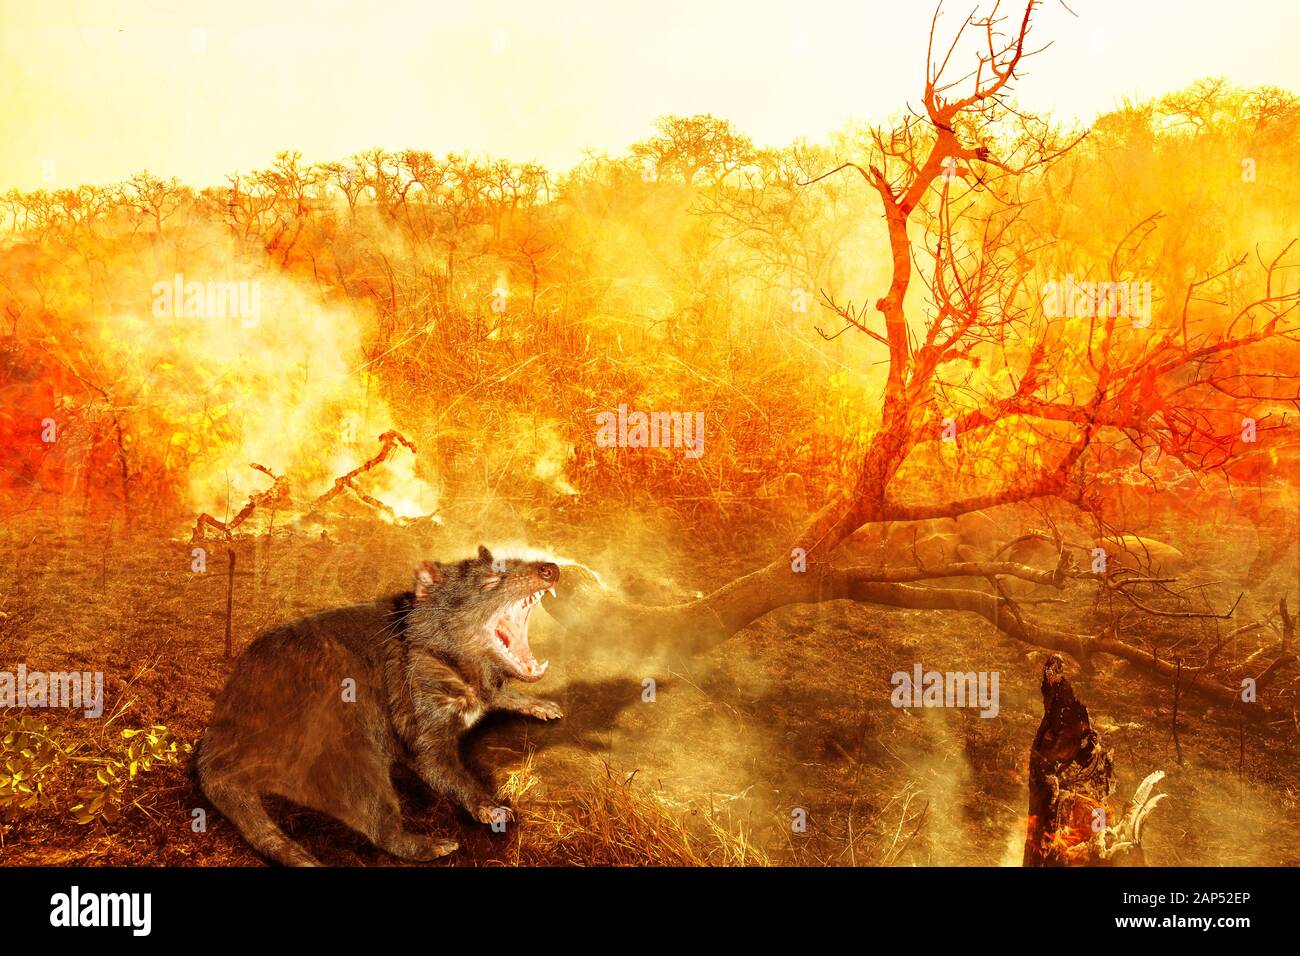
x=28 y=751
x=31 y=752
x=144 y=751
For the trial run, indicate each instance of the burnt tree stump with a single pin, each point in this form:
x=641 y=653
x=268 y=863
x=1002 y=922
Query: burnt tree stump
x=1071 y=780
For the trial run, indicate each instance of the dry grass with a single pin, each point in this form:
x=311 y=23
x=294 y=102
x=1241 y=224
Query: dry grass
x=609 y=821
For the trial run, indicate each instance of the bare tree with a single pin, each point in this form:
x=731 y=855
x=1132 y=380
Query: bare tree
x=155 y=199
x=688 y=146
x=974 y=352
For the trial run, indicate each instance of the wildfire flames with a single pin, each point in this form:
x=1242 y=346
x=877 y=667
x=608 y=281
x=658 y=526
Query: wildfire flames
x=209 y=408
x=1067 y=844
x=290 y=393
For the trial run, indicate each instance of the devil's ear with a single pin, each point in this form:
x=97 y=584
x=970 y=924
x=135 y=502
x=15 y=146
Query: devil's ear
x=484 y=555
x=427 y=576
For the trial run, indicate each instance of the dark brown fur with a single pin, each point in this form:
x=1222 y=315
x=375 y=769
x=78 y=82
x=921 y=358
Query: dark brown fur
x=425 y=667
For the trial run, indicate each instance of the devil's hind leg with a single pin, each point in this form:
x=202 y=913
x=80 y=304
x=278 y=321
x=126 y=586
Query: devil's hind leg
x=368 y=804
x=243 y=807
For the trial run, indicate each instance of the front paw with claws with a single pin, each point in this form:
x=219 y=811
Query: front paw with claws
x=493 y=815
x=544 y=710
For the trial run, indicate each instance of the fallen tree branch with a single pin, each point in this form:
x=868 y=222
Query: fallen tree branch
x=278 y=493
x=388 y=441
x=698 y=626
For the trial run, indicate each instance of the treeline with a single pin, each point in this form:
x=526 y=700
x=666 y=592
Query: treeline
x=687 y=274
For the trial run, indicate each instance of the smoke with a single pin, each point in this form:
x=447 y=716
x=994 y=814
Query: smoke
x=273 y=373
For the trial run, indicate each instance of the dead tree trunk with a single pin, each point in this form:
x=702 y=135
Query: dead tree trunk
x=1071 y=779
x=1071 y=776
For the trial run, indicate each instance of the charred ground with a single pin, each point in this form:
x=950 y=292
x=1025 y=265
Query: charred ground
x=790 y=714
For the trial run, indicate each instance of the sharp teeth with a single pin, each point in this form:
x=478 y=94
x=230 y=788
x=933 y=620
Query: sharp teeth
x=553 y=594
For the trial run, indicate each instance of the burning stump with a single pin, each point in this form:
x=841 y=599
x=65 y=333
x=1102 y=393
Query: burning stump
x=1071 y=779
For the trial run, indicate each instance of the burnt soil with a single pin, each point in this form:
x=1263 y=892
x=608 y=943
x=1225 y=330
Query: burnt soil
x=789 y=719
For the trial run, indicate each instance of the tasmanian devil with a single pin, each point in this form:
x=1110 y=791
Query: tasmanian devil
x=319 y=710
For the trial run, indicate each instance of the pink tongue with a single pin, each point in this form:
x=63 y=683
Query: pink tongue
x=520 y=648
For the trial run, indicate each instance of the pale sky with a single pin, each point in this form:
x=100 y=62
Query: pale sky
x=94 y=90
